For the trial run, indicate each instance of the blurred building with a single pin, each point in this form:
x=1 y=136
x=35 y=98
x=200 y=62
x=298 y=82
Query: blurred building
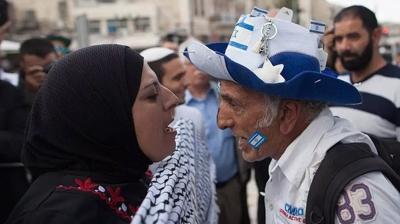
x=390 y=42
x=137 y=23
x=319 y=10
x=141 y=23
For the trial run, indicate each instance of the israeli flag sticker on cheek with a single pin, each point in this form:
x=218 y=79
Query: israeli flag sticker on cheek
x=256 y=140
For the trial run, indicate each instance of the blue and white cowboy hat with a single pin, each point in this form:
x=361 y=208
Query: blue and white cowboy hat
x=274 y=56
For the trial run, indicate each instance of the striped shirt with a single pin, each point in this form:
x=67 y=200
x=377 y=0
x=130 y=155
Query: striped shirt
x=379 y=113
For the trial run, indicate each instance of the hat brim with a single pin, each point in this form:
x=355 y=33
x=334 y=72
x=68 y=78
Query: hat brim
x=62 y=39
x=307 y=85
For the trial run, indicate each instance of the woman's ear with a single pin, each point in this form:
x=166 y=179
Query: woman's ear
x=289 y=115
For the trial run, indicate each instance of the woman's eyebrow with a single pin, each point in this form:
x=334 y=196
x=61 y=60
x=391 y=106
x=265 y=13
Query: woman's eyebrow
x=154 y=84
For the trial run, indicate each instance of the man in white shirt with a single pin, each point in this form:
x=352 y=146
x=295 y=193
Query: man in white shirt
x=274 y=95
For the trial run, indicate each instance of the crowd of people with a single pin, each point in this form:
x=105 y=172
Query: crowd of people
x=105 y=134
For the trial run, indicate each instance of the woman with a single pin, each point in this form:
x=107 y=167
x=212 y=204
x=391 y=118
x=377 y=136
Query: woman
x=98 y=121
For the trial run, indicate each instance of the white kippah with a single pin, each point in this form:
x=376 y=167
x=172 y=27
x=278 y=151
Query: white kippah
x=156 y=53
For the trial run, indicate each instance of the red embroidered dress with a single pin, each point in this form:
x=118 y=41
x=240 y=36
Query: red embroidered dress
x=111 y=196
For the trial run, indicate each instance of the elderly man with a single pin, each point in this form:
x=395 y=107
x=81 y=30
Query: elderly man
x=274 y=93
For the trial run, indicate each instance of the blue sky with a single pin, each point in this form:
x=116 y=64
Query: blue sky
x=385 y=10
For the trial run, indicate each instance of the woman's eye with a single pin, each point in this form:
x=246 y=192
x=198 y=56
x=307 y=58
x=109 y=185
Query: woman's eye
x=152 y=97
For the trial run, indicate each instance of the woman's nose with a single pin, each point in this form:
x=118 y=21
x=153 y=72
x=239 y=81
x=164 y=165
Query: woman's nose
x=170 y=100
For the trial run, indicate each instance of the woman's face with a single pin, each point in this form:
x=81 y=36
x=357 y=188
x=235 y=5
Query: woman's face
x=152 y=113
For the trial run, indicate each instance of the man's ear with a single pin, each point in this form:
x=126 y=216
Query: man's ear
x=376 y=35
x=289 y=115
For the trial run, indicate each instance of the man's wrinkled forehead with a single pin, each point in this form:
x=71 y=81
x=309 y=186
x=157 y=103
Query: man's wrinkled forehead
x=224 y=84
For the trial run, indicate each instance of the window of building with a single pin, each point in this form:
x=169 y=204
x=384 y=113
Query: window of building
x=106 y=1
x=198 y=7
x=94 y=26
x=84 y=3
x=63 y=10
x=142 y=24
x=29 y=20
x=115 y=25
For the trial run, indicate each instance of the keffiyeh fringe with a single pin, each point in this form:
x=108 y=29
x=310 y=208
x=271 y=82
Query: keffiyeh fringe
x=183 y=186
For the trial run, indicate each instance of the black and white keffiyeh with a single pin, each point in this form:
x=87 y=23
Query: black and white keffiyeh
x=182 y=189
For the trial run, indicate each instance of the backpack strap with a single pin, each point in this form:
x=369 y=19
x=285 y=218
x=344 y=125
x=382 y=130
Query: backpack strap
x=342 y=164
x=388 y=150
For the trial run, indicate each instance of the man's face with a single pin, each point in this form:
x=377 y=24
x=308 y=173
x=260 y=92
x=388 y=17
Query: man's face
x=32 y=66
x=60 y=47
x=174 y=77
x=397 y=59
x=353 y=43
x=241 y=110
x=195 y=77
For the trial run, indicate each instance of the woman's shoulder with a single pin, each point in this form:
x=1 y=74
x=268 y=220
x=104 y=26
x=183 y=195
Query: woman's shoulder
x=82 y=201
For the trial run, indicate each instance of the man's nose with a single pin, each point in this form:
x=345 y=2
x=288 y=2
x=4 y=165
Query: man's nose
x=185 y=82
x=223 y=119
x=344 y=45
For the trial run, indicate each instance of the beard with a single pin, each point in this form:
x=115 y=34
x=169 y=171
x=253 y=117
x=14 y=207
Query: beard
x=360 y=61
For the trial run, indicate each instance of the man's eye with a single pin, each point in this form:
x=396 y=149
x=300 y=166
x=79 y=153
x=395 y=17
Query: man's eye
x=338 y=39
x=234 y=105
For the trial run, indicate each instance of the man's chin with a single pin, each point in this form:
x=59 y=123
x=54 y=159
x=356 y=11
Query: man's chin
x=251 y=155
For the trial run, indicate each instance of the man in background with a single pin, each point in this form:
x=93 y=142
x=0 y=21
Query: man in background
x=61 y=44
x=356 y=38
x=36 y=57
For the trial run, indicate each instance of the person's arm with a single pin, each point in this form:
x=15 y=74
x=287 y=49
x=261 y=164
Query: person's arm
x=4 y=30
x=370 y=198
x=329 y=46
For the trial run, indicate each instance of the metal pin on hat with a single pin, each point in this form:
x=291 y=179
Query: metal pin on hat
x=269 y=31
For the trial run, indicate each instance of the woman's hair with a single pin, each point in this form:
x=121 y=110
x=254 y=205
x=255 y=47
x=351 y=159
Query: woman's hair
x=82 y=120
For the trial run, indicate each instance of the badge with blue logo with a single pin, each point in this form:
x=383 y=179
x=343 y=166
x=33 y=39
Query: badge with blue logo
x=256 y=140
